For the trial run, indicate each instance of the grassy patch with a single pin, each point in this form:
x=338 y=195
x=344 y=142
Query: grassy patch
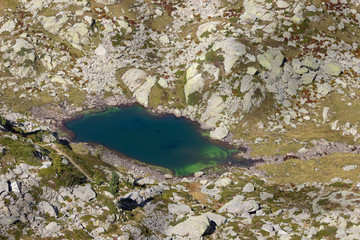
x=315 y=170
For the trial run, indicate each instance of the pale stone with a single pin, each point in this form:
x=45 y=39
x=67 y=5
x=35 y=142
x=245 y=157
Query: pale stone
x=325 y=114
x=53 y=24
x=213 y=111
x=53 y=227
x=47 y=208
x=249 y=187
x=311 y=63
x=282 y=4
x=271 y=59
x=238 y=206
x=253 y=11
x=209 y=26
x=251 y=71
x=100 y=50
x=9 y=26
x=193 y=227
x=178 y=209
x=134 y=78
x=219 y=133
x=84 y=192
x=349 y=167
x=308 y=78
x=298 y=19
x=163 y=83
x=143 y=92
x=164 y=40
x=223 y=182
x=195 y=82
x=332 y=69
x=232 y=49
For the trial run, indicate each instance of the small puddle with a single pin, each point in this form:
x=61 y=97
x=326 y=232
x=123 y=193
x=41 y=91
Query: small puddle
x=165 y=140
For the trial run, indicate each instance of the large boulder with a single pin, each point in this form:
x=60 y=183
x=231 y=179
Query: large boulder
x=216 y=218
x=139 y=83
x=213 y=111
x=249 y=187
x=7 y=220
x=46 y=207
x=206 y=27
x=178 y=209
x=52 y=228
x=238 y=206
x=332 y=69
x=195 y=82
x=4 y=186
x=143 y=92
x=53 y=24
x=193 y=227
x=223 y=182
x=255 y=9
x=219 y=133
x=84 y=192
x=232 y=50
x=9 y=26
x=272 y=59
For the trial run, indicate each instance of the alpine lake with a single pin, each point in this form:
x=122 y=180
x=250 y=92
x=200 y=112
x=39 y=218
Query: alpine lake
x=160 y=140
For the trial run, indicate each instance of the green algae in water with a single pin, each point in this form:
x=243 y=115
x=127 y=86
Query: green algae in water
x=165 y=141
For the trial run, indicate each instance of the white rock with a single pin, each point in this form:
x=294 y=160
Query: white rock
x=9 y=26
x=332 y=69
x=134 y=78
x=349 y=167
x=219 y=133
x=179 y=209
x=249 y=187
x=216 y=218
x=254 y=10
x=100 y=50
x=209 y=27
x=52 y=227
x=251 y=71
x=46 y=207
x=163 y=83
x=53 y=24
x=84 y=192
x=164 y=40
x=271 y=59
x=223 y=182
x=282 y=4
x=213 y=111
x=232 y=49
x=264 y=196
x=193 y=227
x=143 y=92
x=195 y=82
x=325 y=114
x=199 y=174
x=308 y=78
x=238 y=206
x=298 y=19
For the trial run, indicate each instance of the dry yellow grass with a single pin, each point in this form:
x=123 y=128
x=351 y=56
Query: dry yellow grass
x=315 y=170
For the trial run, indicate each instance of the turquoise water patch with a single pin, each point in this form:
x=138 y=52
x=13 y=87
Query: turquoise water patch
x=165 y=141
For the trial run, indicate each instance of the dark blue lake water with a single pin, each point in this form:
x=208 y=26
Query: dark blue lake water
x=165 y=141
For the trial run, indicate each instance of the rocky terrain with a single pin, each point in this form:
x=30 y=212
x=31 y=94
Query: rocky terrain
x=52 y=191
x=279 y=78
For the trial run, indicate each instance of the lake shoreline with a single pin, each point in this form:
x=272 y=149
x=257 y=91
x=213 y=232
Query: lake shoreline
x=70 y=136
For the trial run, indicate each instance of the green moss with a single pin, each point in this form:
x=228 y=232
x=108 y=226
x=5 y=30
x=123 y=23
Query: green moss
x=327 y=232
x=194 y=98
x=205 y=34
x=213 y=57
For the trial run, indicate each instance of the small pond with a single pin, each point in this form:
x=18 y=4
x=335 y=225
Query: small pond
x=164 y=141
